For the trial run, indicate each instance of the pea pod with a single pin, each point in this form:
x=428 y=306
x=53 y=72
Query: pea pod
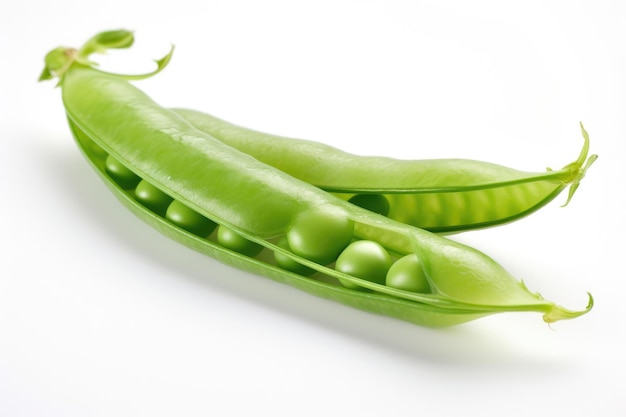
x=441 y=195
x=189 y=185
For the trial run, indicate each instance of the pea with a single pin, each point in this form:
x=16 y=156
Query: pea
x=188 y=219
x=407 y=273
x=364 y=259
x=376 y=203
x=320 y=236
x=151 y=197
x=93 y=147
x=123 y=176
x=230 y=239
x=288 y=263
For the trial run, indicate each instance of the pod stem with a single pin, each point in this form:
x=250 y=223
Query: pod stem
x=580 y=166
x=60 y=60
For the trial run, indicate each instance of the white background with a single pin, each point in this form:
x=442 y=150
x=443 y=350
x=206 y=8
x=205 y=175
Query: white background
x=102 y=316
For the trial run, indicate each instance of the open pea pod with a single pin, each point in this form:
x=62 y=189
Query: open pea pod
x=440 y=195
x=227 y=204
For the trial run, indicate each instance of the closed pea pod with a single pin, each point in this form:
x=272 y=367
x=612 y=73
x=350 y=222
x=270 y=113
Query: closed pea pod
x=424 y=193
x=211 y=183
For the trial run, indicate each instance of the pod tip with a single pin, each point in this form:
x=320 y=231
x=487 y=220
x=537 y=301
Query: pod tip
x=559 y=313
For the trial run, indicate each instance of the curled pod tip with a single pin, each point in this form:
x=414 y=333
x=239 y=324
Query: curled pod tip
x=559 y=313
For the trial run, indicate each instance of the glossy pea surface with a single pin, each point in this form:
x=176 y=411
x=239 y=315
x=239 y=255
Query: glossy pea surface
x=151 y=197
x=120 y=173
x=188 y=219
x=364 y=259
x=230 y=239
x=320 y=235
x=407 y=273
x=288 y=263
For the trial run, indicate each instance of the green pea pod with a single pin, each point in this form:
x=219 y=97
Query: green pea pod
x=440 y=195
x=184 y=183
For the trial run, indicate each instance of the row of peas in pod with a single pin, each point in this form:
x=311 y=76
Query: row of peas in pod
x=364 y=259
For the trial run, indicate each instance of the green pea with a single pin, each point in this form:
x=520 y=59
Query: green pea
x=376 y=203
x=407 y=273
x=151 y=197
x=320 y=236
x=188 y=219
x=364 y=259
x=123 y=176
x=230 y=239
x=288 y=263
x=96 y=149
x=92 y=146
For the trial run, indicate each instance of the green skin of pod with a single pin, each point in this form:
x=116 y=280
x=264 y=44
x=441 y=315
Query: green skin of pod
x=441 y=195
x=260 y=202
